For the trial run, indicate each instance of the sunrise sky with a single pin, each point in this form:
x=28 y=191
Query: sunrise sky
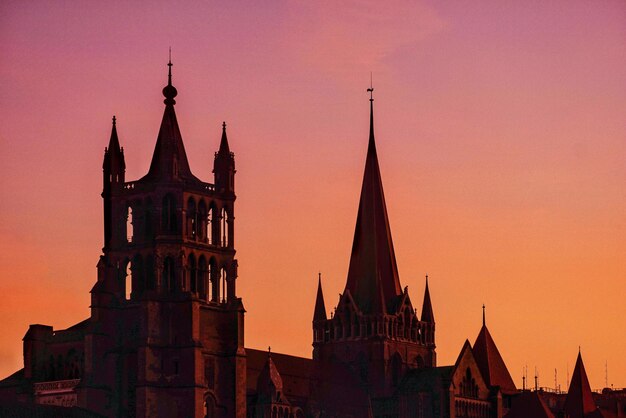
x=501 y=134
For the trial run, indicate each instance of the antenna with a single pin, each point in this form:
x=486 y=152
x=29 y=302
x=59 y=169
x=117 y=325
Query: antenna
x=556 y=385
x=523 y=378
x=567 y=376
x=606 y=373
x=536 y=379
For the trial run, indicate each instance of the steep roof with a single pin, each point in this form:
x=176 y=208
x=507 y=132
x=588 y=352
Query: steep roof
x=529 y=404
x=294 y=371
x=491 y=364
x=373 y=274
x=169 y=160
x=269 y=380
x=579 y=401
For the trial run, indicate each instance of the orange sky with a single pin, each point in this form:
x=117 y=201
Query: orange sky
x=501 y=138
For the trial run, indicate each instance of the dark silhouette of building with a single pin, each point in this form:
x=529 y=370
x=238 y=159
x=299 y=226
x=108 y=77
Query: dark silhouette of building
x=165 y=337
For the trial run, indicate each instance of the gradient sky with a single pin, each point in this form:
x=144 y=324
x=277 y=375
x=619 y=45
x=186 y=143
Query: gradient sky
x=501 y=134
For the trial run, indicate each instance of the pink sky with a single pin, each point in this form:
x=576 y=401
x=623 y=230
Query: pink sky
x=501 y=135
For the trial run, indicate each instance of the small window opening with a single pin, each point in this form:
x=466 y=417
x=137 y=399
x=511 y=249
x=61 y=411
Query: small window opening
x=129 y=224
x=128 y=281
x=223 y=285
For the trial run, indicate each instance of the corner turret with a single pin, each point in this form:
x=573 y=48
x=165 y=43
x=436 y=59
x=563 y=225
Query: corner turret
x=427 y=307
x=113 y=177
x=320 y=308
x=224 y=166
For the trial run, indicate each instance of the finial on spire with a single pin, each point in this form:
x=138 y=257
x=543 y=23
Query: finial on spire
x=269 y=351
x=224 y=125
x=169 y=72
x=169 y=91
x=114 y=119
x=371 y=89
x=483 y=314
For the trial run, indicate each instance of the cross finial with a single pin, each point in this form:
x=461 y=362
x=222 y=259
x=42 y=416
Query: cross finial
x=371 y=89
x=483 y=314
x=169 y=64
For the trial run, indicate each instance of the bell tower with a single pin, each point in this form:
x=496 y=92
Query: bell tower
x=375 y=329
x=165 y=317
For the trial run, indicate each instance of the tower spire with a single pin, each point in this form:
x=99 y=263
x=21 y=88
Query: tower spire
x=224 y=148
x=319 y=313
x=373 y=274
x=427 y=307
x=114 y=143
x=169 y=159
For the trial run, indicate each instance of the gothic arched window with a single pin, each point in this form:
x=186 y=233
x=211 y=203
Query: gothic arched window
x=148 y=221
x=150 y=280
x=169 y=274
x=468 y=386
x=202 y=277
x=214 y=280
x=137 y=272
x=192 y=220
x=193 y=273
x=168 y=212
x=396 y=369
x=129 y=224
x=224 y=227
x=202 y=221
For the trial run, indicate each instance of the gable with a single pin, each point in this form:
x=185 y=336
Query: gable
x=467 y=381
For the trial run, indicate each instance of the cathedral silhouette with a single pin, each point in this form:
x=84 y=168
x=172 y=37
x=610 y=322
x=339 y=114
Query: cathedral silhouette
x=165 y=337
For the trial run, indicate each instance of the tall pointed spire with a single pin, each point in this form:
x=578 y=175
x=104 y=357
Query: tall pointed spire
x=114 y=155
x=224 y=165
x=579 y=401
x=319 y=313
x=169 y=160
x=114 y=143
x=427 y=307
x=373 y=274
x=224 y=148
